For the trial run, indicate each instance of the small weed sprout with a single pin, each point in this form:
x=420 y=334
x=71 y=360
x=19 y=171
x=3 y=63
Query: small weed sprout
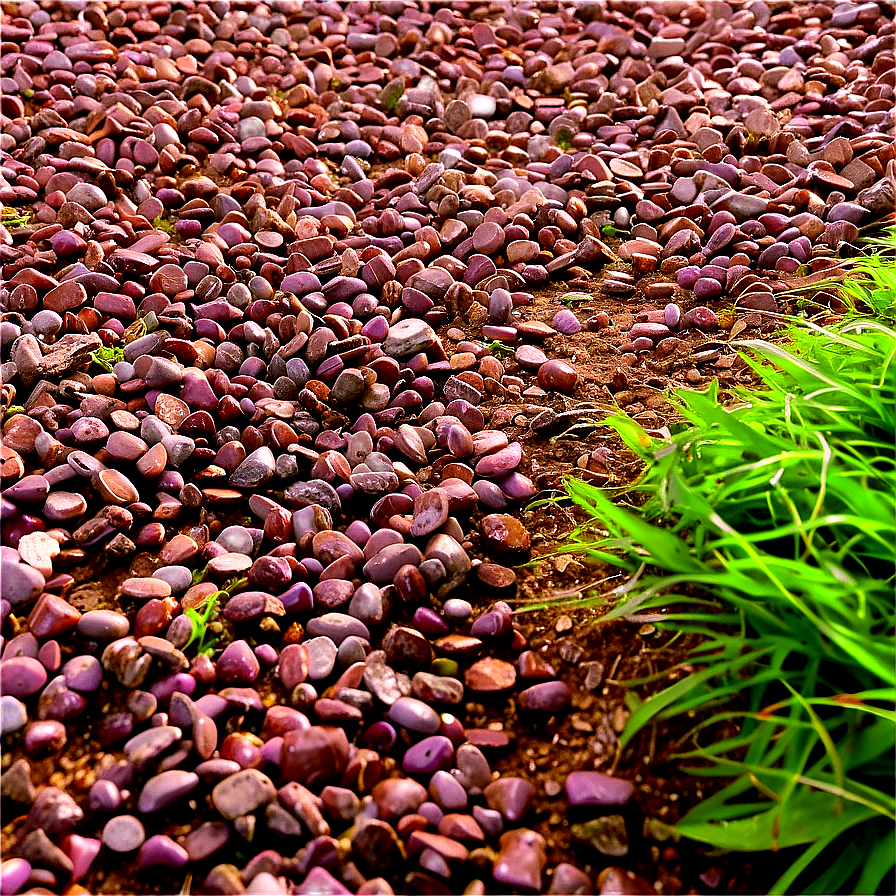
x=205 y=642
x=12 y=218
x=107 y=357
x=575 y=298
x=498 y=348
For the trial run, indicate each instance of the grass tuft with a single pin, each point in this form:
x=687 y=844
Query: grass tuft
x=574 y=298
x=205 y=641
x=12 y=218
x=107 y=356
x=499 y=349
x=767 y=528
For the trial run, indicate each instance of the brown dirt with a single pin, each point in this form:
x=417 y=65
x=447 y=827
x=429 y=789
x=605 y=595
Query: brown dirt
x=586 y=736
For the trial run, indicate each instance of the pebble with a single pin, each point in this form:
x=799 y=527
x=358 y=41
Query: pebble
x=123 y=833
x=490 y=675
x=13 y=714
x=510 y=796
x=589 y=788
x=557 y=376
x=166 y=788
x=520 y=860
x=415 y=715
x=565 y=322
x=243 y=793
x=505 y=534
x=549 y=696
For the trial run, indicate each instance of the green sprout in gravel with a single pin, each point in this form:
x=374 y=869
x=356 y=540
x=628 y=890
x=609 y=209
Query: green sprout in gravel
x=205 y=629
x=574 y=298
x=235 y=584
x=205 y=640
x=12 y=218
x=165 y=224
x=767 y=530
x=498 y=348
x=612 y=231
x=563 y=138
x=107 y=356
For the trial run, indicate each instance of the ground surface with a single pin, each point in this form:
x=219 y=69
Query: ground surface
x=574 y=643
x=202 y=162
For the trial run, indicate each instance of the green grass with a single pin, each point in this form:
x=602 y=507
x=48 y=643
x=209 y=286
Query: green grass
x=165 y=224
x=612 y=231
x=574 y=298
x=12 y=218
x=869 y=286
x=767 y=530
x=206 y=627
x=563 y=138
x=107 y=356
x=205 y=641
x=499 y=349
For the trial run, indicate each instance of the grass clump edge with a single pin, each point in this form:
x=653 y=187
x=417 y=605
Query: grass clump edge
x=767 y=529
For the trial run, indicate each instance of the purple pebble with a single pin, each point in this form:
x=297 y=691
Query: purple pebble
x=688 y=276
x=706 y=289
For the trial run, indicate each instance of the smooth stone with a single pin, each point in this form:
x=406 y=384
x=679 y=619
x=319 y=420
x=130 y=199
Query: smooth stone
x=557 y=375
x=161 y=850
x=243 y=793
x=13 y=714
x=511 y=796
x=520 y=860
x=22 y=676
x=166 y=788
x=124 y=833
x=414 y=715
x=408 y=337
x=590 y=788
x=428 y=755
x=321 y=657
x=549 y=696
x=396 y=797
x=447 y=792
x=565 y=322
x=314 y=755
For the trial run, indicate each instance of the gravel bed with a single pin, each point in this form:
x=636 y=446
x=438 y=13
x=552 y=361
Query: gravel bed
x=267 y=271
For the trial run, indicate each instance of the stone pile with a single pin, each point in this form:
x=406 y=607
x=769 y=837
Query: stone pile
x=258 y=265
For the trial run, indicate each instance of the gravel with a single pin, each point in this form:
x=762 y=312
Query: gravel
x=269 y=294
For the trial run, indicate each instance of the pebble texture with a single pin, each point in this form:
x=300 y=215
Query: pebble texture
x=275 y=264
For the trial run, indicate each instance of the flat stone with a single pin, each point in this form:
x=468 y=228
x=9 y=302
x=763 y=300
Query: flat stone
x=243 y=793
x=590 y=788
x=408 y=337
x=490 y=675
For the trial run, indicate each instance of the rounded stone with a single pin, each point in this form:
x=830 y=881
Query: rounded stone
x=415 y=715
x=565 y=322
x=488 y=238
x=124 y=833
x=557 y=376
